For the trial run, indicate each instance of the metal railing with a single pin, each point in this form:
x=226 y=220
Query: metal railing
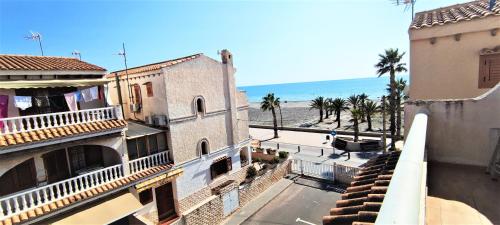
x=297 y=148
x=403 y=201
x=54 y=120
x=333 y=172
x=29 y=199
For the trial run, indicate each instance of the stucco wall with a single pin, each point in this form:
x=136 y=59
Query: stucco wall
x=449 y=63
x=459 y=131
x=196 y=174
x=243 y=124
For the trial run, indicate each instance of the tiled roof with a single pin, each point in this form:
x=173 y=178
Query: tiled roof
x=94 y=192
x=46 y=134
x=49 y=63
x=363 y=198
x=154 y=66
x=456 y=13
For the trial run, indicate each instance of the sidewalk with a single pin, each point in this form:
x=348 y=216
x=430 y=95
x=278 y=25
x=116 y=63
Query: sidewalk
x=253 y=206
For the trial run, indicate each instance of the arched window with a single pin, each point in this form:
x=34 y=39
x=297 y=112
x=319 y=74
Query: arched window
x=199 y=104
x=203 y=147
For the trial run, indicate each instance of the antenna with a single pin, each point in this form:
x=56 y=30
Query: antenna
x=124 y=54
x=407 y=4
x=76 y=52
x=35 y=36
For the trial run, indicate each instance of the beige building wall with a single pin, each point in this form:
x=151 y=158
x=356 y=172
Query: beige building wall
x=460 y=131
x=449 y=63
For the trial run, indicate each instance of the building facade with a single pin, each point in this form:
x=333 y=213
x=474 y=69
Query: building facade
x=64 y=150
x=457 y=47
x=205 y=118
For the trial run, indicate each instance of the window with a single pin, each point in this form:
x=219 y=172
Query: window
x=489 y=70
x=200 y=105
x=146 y=196
x=204 y=147
x=146 y=145
x=137 y=94
x=220 y=167
x=149 y=89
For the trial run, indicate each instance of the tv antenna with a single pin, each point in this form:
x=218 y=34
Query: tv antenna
x=408 y=4
x=35 y=36
x=77 y=53
x=124 y=54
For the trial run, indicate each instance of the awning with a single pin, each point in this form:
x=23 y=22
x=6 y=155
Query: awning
x=136 y=130
x=106 y=212
x=15 y=84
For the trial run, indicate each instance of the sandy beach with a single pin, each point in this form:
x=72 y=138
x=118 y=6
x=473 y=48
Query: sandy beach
x=299 y=114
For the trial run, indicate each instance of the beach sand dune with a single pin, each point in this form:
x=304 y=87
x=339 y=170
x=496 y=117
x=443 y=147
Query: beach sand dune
x=299 y=114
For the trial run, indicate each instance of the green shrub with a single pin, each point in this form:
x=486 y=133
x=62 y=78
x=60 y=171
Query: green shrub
x=251 y=172
x=275 y=160
x=283 y=154
x=257 y=160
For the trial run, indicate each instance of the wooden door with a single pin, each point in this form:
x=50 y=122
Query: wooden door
x=56 y=165
x=165 y=201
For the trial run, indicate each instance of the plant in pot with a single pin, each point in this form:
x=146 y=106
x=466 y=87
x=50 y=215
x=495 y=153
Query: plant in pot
x=259 y=150
x=251 y=173
x=271 y=151
x=283 y=154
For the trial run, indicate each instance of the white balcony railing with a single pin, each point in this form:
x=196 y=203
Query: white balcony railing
x=26 y=200
x=144 y=163
x=53 y=120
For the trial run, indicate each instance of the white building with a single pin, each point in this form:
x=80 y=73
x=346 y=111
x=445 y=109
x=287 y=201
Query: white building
x=204 y=117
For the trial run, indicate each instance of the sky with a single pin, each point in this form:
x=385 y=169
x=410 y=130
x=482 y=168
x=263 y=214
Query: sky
x=271 y=41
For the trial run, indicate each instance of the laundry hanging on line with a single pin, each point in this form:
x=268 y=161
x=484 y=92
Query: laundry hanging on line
x=4 y=108
x=23 y=102
x=71 y=101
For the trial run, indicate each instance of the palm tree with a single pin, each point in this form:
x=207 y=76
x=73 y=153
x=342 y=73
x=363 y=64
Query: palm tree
x=370 y=108
x=355 y=117
x=319 y=103
x=354 y=101
x=362 y=98
x=270 y=103
x=400 y=87
x=391 y=63
x=339 y=105
x=328 y=107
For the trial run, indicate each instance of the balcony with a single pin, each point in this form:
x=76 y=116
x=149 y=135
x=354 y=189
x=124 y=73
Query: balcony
x=38 y=202
x=22 y=130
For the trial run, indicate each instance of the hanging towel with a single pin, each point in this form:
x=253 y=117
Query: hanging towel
x=41 y=101
x=94 y=92
x=71 y=101
x=4 y=108
x=78 y=96
x=87 y=95
x=22 y=102
x=101 y=92
x=107 y=96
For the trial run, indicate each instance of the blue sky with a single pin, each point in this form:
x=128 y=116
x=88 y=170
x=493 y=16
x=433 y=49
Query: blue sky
x=272 y=41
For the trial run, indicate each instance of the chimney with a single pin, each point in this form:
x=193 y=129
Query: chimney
x=227 y=57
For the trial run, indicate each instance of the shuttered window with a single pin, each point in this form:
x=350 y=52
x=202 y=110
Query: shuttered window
x=489 y=70
x=149 y=89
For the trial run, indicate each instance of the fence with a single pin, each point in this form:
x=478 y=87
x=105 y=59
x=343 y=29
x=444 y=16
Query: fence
x=306 y=149
x=333 y=172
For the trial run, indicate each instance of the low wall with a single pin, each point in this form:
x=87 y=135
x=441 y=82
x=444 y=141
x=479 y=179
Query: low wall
x=261 y=155
x=312 y=130
x=460 y=131
x=251 y=190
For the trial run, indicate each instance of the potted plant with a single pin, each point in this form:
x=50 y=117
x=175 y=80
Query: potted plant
x=259 y=150
x=251 y=173
x=271 y=151
x=283 y=154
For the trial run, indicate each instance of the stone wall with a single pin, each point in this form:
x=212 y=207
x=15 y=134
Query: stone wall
x=257 y=186
x=209 y=212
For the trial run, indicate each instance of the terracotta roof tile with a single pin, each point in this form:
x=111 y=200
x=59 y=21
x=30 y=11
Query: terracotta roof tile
x=154 y=66
x=10 y=140
x=453 y=14
x=54 y=206
x=46 y=63
x=362 y=200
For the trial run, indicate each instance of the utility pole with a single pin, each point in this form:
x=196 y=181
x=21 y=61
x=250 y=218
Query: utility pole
x=384 y=137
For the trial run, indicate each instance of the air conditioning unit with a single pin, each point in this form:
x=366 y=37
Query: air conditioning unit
x=160 y=120
x=149 y=120
x=135 y=107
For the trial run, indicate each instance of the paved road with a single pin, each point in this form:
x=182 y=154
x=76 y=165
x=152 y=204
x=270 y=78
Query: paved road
x=308 y=203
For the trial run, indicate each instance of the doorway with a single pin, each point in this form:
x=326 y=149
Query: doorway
x=165 y=202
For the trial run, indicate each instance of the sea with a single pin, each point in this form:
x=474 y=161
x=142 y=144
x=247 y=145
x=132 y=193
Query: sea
x=374 y=87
